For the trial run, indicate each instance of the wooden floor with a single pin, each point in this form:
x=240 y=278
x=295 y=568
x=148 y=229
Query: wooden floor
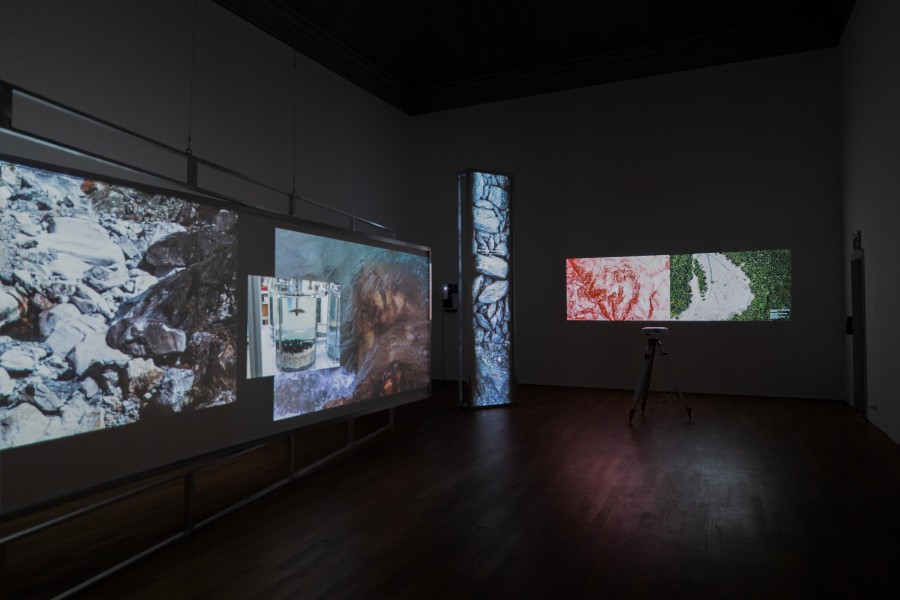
x=557 y=497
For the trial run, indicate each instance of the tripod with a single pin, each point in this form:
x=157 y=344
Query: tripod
x=643 y=384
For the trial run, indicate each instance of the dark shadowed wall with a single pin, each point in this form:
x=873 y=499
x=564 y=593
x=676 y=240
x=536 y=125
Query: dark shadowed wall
x=870 y=61
x=738 y=157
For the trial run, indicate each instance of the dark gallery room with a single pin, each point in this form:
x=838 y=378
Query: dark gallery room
x=392 y=299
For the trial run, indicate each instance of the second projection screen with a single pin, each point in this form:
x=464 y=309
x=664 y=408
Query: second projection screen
x=340 y=322
x=715 y=286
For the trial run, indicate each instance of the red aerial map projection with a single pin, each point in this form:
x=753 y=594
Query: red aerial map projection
x=632 y=288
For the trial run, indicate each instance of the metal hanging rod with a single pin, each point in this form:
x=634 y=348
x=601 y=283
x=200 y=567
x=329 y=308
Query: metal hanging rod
x=8 y=91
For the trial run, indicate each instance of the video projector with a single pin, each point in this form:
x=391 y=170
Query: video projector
x=655 y=333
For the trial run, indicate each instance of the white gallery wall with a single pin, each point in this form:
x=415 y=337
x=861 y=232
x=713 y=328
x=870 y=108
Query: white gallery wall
x=870 y=62
x=738 y=157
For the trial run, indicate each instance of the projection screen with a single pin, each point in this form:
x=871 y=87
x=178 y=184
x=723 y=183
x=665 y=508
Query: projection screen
x=132 y=332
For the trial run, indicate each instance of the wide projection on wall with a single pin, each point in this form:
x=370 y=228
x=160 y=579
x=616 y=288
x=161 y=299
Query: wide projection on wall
x=719 y=286
x=115 y=305
x=119 y=311
x=340 y=322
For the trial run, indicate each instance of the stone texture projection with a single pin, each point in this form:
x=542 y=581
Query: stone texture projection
x=491 y=290
x=115 y=304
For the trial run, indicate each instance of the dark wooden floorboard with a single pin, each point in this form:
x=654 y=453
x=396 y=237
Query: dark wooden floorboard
x=557 y=497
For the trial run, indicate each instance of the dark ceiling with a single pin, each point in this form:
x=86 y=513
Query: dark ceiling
x=423 y=56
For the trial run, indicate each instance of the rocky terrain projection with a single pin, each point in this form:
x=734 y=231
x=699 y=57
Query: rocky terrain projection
x=115 y=304
x=385 y=322
x=491 y=289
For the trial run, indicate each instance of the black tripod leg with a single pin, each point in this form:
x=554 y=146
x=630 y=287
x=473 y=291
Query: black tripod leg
x=643 y=383
x=686 y=408
x=647 y=380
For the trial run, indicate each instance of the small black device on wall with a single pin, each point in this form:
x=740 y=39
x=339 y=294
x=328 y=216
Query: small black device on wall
x=448 y=293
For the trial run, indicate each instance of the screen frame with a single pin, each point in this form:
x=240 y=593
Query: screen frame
x=57 y=454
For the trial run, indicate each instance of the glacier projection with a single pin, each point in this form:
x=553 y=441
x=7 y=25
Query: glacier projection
x=716 y=286
x=115 y=304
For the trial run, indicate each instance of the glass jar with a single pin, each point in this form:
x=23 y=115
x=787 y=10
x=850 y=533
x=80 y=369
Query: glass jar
x=296 y=331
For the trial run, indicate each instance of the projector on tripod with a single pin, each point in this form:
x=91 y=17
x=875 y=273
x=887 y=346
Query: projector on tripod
x=654 y=336
x=656 y=333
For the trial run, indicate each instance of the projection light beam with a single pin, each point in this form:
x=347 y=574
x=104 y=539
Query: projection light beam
x=721 y=286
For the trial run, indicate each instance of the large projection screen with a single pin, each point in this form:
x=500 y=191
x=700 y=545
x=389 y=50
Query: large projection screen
x=132 y=333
